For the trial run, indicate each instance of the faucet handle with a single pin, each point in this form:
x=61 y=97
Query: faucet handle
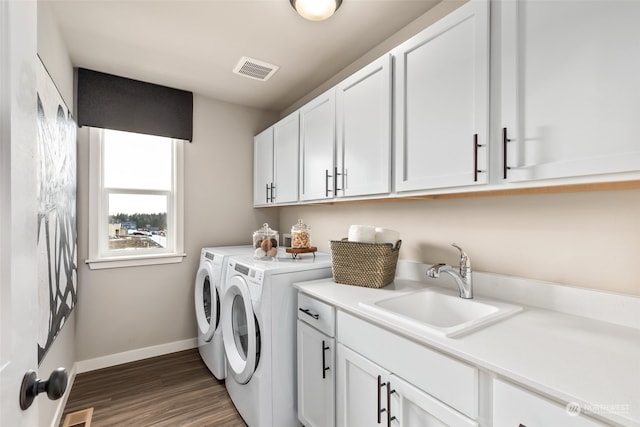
x=465 y=262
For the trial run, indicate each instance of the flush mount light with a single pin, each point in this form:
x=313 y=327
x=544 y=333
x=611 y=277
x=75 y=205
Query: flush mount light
x=316 y=10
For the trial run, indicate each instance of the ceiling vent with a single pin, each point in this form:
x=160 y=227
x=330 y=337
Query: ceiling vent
x=254 y=69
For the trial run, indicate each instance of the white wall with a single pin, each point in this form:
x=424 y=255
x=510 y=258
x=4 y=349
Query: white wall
x=588 y=240
x=126 y=309
x=55 y=57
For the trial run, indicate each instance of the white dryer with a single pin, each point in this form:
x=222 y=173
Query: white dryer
x=259 y=312
x=208 y=295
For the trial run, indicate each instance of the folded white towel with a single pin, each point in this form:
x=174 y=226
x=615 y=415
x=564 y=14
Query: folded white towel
x=386 y=235
x=362 y=233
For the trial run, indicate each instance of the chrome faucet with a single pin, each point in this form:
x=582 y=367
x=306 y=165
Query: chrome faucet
x=462 y=276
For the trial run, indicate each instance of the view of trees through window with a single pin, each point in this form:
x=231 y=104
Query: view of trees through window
x=131 y=231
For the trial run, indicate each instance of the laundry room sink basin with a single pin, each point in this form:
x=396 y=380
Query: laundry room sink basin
x=436 y=311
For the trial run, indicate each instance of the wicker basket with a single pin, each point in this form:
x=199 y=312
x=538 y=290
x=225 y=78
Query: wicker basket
x=372 y=265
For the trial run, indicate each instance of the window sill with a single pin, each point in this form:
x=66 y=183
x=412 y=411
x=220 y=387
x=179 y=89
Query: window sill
x=134 y=261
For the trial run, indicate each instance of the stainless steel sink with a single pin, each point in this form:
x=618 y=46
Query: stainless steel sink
x=436 y=311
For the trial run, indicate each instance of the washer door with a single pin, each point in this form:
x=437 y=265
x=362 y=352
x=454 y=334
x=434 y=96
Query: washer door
x=240 y=330
x=207 y=301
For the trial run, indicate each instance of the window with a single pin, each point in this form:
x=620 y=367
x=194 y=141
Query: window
x=135 y=199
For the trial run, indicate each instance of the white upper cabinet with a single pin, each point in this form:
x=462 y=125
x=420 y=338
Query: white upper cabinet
x=276 y=163
x=286 y=159
x=570 y=88
x=363 y=107
x=262 y=167
x=442 y=102
x=317 y=143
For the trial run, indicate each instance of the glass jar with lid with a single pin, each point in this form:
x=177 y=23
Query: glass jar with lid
x=265 y=242
x=300 y=235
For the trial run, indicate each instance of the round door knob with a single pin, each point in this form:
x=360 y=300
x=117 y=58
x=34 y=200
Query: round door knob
x=55 y=386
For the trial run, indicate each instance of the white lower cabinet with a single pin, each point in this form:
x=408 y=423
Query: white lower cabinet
x=412 y=407
x=514 y=406
x=316 y=363
x=316 y=381
x=369 y=395
x=384 y=379
x=360 y=391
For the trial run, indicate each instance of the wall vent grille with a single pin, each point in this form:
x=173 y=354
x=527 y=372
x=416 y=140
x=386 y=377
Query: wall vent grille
x=255 y=69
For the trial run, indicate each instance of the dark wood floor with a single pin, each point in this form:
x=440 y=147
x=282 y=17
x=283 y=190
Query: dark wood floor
x=171 y=390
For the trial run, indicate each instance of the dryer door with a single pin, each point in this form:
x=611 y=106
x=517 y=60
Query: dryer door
x=240 y=330
x=207 y=301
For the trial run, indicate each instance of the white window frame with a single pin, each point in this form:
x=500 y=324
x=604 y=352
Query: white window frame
x=99 y=256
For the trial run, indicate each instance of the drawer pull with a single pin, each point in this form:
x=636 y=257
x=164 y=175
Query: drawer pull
x=308 y=313
x=325 y=347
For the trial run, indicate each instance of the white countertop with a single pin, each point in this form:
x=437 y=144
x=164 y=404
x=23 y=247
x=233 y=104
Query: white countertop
x=574 y=359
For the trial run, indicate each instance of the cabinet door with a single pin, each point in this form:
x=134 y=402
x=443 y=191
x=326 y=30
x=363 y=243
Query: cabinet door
x=513 y=406
x=361 y=393
x=570 y=88
x=412 y=407
x=317 y=142
x=316 y=377
x=286 y=135
x=442 y=83
x=363 y=108
x=262 y=167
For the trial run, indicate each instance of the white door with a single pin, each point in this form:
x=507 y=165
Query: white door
x=361 y=390
x=570 y=86
x=316 y=377
x=442 y=102
x=18 y=208
x=317 y=142
x=263 y=167
x=286 y=158
x=239 y=330
x=363 y=109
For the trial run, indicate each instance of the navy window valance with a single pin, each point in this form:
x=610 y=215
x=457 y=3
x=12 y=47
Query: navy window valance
x=113 y=102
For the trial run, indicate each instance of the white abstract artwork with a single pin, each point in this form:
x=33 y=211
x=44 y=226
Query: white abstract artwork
x=56 y=229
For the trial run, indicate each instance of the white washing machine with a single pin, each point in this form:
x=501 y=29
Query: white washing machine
x=208 y=296
x=259 y=312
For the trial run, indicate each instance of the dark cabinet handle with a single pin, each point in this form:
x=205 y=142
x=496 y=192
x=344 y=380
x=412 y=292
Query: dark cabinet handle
x=335 y=181
x=273 y=199
x=505 y=140
x=476 y=171
x=309 y=313
x=267 y=192
x=325 y=368
x=380 y=409
x=326 y=183
x=389 y=393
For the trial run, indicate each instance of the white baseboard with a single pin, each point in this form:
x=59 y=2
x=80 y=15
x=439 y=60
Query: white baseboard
x=134 y=355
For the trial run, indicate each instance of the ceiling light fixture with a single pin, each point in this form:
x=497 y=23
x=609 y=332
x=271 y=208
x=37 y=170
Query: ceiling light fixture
x=316 y=10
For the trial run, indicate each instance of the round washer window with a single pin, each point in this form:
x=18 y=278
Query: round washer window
x=239 y=320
